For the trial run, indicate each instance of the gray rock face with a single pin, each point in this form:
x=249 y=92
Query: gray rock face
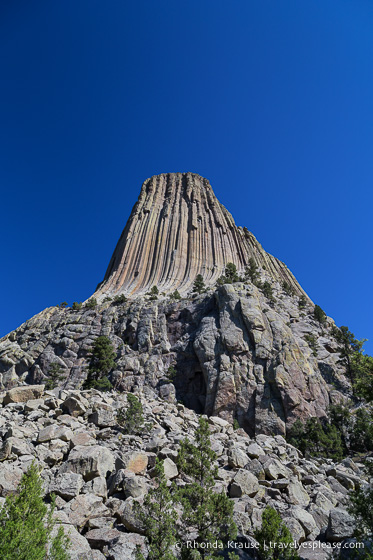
x=237 y=353
x=244 y=483
x=225 y=364
x=89 y=461
x=67 y=485
x=341 y=525
x=10 y=476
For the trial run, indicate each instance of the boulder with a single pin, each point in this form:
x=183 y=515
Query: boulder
x=244 y=483
x=256 y=467
x=254 y=451
x=125 y=547
x=84 y=507
x=128 y=516
x=305 y=519
x=18 y=446
x=274 y=470
x=5 y=449
x=297 y=494
x=89 y=461
x=295 y=528
x=67 y=485
x=170 y=469
x=82 y=438
x=33 y=404
x=98 y=538
x=341 y=525
x=96 y=486
x=134 y=486
x=102 y=415
x=133 y=461
x=237 y=458
x=54 y=432
x=79 y=547
x=10 y=477
x=74 y=406
x=314 y=550
x=23 y=394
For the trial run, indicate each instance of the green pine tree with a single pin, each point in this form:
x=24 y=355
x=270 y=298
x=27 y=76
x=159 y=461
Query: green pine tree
x=316 y=438
x=131 y=419
x=158 y=516
x=102 y=362
x=206 y=514
x=274 y=538
x=319 y=314
x=362 y=367
x=118 y=300
x=230 y=273
x=154 y=293
x=340 y=417
x=199 y=285
x=55 y=375
x=175 y=295
x=288 y=289
x=26 y=524
x=267 y=290
x=361 y=507
x=302 y=302
x=91 y=303
x=361 y=436
x=297 y=436
x=251 y=271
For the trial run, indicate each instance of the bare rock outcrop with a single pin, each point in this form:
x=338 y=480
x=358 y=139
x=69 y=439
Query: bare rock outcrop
x=176 y=230
x=236 y=351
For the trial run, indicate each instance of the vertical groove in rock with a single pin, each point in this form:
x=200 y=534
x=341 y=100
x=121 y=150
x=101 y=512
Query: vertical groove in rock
x=176 y=230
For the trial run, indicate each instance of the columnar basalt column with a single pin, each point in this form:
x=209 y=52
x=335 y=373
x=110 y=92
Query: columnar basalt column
x=176 y=230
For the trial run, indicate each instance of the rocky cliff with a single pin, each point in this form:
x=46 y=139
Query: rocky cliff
x=176 y=230
x=236 y=350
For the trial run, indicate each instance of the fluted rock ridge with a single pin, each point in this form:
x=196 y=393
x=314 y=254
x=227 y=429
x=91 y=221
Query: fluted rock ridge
x=176 y=230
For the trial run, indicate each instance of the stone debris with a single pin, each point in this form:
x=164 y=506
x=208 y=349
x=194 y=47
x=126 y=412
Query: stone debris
x=97 y=479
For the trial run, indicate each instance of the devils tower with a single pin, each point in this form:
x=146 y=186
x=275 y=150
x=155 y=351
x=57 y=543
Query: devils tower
x=246 y=350
x=176 y=230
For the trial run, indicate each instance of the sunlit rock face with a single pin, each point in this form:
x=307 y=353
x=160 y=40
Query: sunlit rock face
x=237 y=351
x=176 y=230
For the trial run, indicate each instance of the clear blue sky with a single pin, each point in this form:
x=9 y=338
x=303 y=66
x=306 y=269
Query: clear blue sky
x=270 y=100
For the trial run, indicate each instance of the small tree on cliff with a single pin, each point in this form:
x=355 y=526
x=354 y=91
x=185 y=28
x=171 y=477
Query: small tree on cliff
x=349 y=346
x=102 y=362
x=251 y=271
x=205 y=513
x=159 y=517
x=199 y=285
x=26 y=524
x=131 y=419
x=231 y=273
x=361 y=507
x=319 y=314
x=274 y=538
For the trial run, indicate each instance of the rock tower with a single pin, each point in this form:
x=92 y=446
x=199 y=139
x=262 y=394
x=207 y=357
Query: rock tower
x=176 y=230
